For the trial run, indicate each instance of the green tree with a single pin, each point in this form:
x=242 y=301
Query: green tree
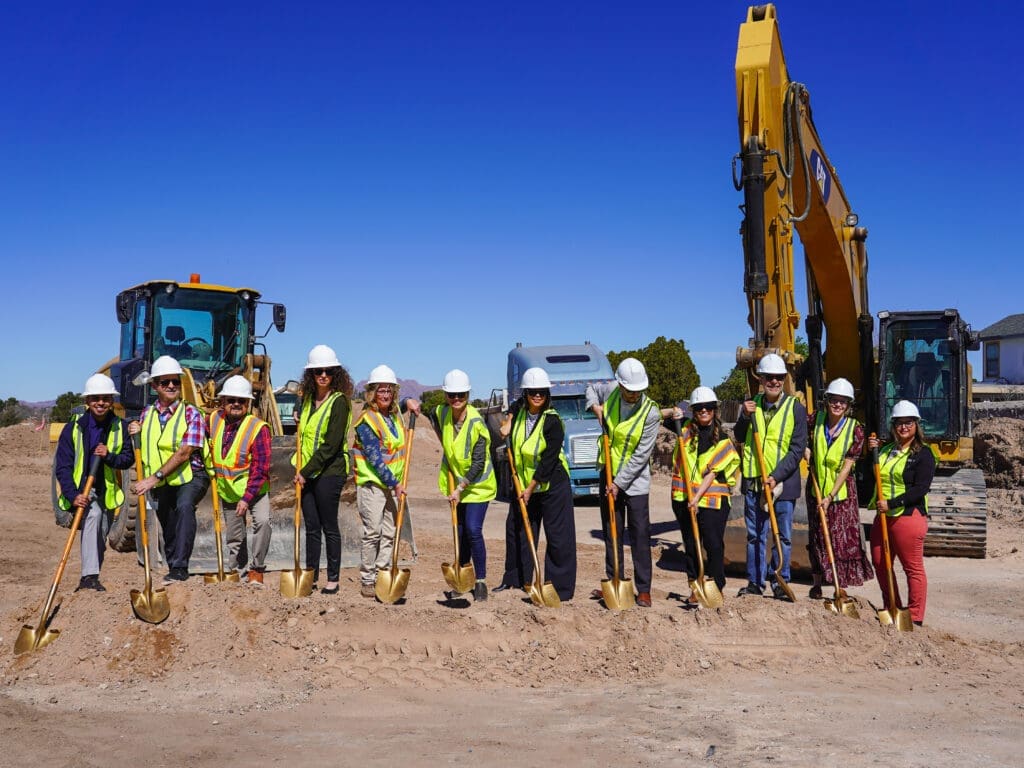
x=64 y=406
x=11 y=412
x=432 y=398
x=671 y=371
x=733 y=386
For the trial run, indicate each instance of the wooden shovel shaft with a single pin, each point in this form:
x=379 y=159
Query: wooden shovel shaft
x=613 y=528
x=298 y=495
x=883 y=521
x=693 y=516
x=142 y=523
x=400 y=515
x=455 y=519
x=217 y=526
x=824 y=531
x=526 y=517
x=768 y=495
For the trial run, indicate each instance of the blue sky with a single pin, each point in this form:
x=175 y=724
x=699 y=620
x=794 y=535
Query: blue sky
x=424 y=184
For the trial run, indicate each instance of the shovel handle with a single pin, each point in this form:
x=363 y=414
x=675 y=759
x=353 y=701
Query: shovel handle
x=824 y=527
x=699 y=554
x=400 y=515
x=884 y=523
x=522 y=510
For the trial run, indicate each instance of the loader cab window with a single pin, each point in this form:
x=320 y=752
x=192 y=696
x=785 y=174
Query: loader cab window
x=919 y=368
x=204 y=330
x=133 y=334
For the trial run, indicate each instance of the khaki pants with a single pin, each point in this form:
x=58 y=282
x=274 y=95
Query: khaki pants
x=377 y=511
x=238 y=550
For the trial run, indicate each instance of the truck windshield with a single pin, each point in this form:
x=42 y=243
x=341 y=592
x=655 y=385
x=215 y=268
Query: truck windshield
x=918 y=367
x=205 y=330
x=572 y=407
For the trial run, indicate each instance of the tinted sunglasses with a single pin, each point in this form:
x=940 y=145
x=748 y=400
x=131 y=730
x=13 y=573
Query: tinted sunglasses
x=535 y=392
x=168 y=383
x=323 y=371
x=234 y=400
x=698 y=407
x=456 y=395
x=774 y=377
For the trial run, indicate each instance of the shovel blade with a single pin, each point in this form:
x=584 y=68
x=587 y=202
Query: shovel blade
x=297 y=582
x=461 y=579
x=152 y=607
x=707 y=592
x=847 y=607
x=544 y=594
x=217 y=578
x=618 y=594
x=786 y=589
x=391 y=584
x=32 y=639
x=898 y=617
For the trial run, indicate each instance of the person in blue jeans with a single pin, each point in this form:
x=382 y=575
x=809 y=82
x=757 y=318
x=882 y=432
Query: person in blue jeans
x=782 y=431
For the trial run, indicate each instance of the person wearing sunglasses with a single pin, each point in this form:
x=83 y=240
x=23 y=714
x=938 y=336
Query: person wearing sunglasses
x=535 y=436
x=835 y=442
x=173 y=462
x=240 y=455
x=713 y=464
x=380 y=450
x=907 y=467
x=782 y=431
x=324 y=418
x=466 y=453
x=97 y=432
x=632 y=420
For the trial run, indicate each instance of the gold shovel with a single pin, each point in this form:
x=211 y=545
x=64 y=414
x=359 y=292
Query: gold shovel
x=150 y=605
x=391 y=583
x=892 y=613
x=840 y=601
x=29 y=638
x=297 y=582
x=220 y=575
x=541 y=593
x=618 y=593
x=707 y=592
x=770 y=499
x=461 y=578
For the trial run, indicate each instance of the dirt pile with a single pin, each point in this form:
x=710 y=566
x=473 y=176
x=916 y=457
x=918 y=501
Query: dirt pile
x=999 y=451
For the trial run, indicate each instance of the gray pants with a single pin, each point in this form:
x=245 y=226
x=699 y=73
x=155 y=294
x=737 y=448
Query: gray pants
x=377 y=512
x=238 y=550
x=94 y=536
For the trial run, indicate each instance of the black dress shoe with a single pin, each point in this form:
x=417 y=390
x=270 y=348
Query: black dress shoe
x=330 y=590
x=750 y=589
x=502 y=587
x=480 y=591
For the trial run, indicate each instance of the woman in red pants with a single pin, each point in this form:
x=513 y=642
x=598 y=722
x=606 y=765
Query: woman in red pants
x=907 y=467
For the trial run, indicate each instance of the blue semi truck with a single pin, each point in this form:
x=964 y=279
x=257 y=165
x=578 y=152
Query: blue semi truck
x=570 y=367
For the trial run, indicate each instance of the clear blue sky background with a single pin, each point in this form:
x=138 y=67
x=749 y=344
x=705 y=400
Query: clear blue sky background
x=424 y=184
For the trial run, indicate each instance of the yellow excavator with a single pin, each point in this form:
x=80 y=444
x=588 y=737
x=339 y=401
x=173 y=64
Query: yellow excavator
x=788 y=184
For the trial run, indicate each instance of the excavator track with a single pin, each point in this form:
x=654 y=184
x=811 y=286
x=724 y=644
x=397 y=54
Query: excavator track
x=957 y=514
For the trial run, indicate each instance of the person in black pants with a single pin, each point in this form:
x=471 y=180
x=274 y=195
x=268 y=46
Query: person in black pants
x=325 y=416
x=536 y=433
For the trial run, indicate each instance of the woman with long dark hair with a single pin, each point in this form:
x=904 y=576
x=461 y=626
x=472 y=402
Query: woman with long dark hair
x=324 y=418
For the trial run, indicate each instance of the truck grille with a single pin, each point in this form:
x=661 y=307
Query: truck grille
x=583 y=450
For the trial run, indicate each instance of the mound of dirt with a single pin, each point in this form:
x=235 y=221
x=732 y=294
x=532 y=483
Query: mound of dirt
x=999 y=451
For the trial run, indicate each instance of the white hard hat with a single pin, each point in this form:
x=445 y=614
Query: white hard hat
x=165 y=365
x=99 y=384
x=322 y=356
x=237 y=386
x=631 y=375
x=840 y=387
x=456 y=381
x=536 y=378
x=772 y=364
x=905 y=409
x=382 y=375
x=703 y=395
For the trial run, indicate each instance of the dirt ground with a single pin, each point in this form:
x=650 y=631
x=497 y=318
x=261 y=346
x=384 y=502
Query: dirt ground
x=241 y=676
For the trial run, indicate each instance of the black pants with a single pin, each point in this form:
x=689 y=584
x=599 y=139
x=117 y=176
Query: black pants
x=711 y=524
x=320 y=498
x=553 y=508
x=176 y=510
x=639 y=526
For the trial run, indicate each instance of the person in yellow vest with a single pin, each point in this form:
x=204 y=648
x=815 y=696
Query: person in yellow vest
x=907 y=467
x=97 y=432
x=782 y=431
x=835 y=442
x=240 y=457
x=173 y=434
x=466 y=453
x=379 y=451
x=713 y=464
x=324 y=417
x=632 y=420
x=536 y=435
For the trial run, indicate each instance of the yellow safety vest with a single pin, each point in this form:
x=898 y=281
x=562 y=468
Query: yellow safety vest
x=113 y=496
x=625 y=435
x=828 y=459
x=891 y=463
x=392 y=444
x=775 y=435
x=160 y=443
x=312 y=431
x=232 y=470
x=457 y=454
x=527 y=449
x=720 y=458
